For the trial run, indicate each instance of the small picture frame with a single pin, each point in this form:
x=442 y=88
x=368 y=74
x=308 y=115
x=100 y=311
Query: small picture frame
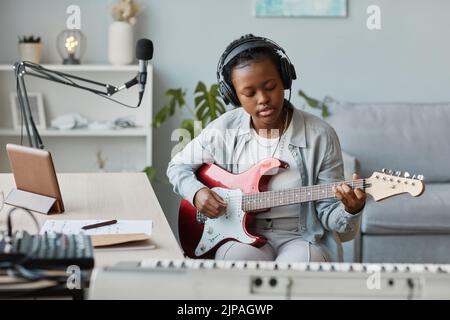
x=36 y=107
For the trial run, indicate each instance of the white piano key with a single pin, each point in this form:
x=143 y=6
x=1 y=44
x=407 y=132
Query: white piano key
x=432 y=267
x=165 y=263
x=373 y=267
x=228 y=264
x=149 y=263
x=417 y=268
x=251 y=265
x=314 y=266
x=299 y=266
x=358 y=267
x=401 y=267
x=177 y=263
x=220 y=264
x=326 y=266
x=195 y=264
x=446 y=268
x=343 y=267
x=282 y=266
x=388 y=267
x=209 y=264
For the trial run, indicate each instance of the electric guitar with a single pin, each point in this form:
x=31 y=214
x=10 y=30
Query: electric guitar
x=247 y=192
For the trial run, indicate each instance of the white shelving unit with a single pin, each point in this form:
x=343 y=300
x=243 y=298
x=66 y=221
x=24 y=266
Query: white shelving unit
x=79 y=150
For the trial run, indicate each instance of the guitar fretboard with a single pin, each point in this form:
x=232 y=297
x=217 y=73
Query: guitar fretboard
x=271 y=199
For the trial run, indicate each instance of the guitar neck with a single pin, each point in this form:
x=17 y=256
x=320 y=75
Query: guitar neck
x=271 y=199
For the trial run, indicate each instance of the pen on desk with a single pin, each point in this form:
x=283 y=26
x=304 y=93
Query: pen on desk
x=98 y=225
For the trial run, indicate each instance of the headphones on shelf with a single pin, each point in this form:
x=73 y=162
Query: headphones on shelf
x=247 y=42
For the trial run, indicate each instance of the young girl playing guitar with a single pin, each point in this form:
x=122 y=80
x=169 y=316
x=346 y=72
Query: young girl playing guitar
x=253 y=74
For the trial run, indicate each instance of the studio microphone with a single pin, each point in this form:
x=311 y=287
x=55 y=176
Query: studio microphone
x=144 y=53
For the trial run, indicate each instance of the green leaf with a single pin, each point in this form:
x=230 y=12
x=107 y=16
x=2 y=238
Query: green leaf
x=150 y=172
x=202 y=111
x=188 y=124
x=316 y=104
x=313 y=103
x=201 y=88
x=325 y=112
x=176 y=99
x=160 y=117
x=207 y=102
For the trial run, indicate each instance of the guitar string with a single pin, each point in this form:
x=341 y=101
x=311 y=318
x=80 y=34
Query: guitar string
x=297 y=192
x=354 y=183
x=360 y=183
x=290 y=196
x=287 y=197
x=292 y=193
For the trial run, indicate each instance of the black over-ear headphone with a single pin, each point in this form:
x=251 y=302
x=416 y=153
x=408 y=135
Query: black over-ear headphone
x=246 y=42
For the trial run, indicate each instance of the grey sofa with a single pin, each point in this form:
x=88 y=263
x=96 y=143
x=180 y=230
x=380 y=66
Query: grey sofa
x=403 y=137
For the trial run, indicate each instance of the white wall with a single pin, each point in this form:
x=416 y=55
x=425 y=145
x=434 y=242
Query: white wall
x=408 y=60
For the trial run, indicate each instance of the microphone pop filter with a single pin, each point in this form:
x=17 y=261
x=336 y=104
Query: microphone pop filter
x=144 y=49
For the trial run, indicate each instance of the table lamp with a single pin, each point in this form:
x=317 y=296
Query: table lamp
x=71 y=44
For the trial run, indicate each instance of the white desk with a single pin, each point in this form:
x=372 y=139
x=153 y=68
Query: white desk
x=105 y=196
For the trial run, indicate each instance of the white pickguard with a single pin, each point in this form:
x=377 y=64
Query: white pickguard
x=229 y=225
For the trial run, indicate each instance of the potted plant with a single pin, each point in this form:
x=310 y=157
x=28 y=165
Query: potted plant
x=207 y=106
x=120 y=35
x=30 y=48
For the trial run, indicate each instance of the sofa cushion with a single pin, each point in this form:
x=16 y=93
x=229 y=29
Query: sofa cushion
x=406 y=248
x=403 y=214
x=397 y=136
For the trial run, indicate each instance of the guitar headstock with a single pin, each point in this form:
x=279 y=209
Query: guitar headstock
x=386 y=184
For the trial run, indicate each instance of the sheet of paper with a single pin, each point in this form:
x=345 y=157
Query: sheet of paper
x=121 y=227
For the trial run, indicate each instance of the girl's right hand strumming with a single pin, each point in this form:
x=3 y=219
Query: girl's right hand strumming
x=209 y=203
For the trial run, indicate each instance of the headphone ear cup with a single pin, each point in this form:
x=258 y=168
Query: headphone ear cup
x=222 y=91
x=228 y=94
x=292 y=71
x=286 y=73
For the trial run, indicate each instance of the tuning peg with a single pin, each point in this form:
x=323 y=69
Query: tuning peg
x=390 y=172
x=420 y=177
x=383 y=170
x=406 y=174
x=398 y=173
x=414 y=176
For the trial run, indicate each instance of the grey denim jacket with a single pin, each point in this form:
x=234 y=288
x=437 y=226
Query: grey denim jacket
x=314 y=146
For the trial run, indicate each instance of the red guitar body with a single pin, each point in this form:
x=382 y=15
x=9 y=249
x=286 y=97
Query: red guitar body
x=251 y=181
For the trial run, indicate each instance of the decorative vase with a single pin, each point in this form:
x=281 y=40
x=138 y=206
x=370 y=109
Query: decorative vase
x=30 y=52
x=120 y=43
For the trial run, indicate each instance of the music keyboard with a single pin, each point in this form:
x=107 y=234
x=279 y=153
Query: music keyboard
x=210 y=279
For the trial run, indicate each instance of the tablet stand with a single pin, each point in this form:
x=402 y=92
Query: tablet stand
x=33 y=201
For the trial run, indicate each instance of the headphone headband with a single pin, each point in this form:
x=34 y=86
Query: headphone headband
x=245 y=43
x=245 y=46
x=242 y=45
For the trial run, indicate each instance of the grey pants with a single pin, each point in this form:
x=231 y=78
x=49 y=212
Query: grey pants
x=284 y=244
